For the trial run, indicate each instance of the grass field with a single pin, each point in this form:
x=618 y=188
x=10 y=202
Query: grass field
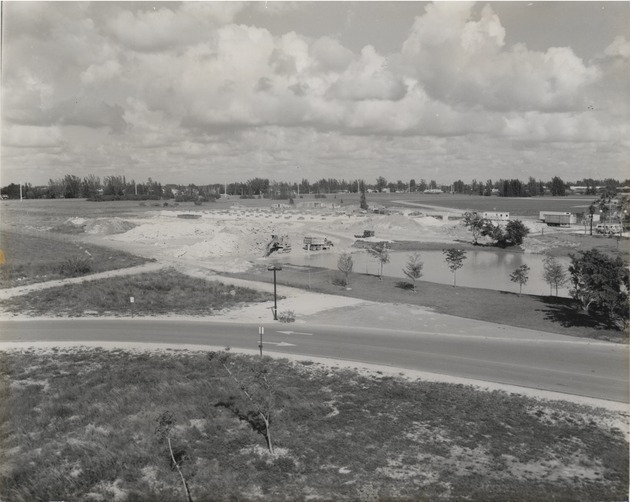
x=543 y=313
x=34 y=258
x=155 y=293
x=81 y=425
x=526 y=207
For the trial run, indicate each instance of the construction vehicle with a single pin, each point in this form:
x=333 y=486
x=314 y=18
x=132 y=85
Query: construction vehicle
x=316 y=243
x=366 y=234
x=558 y=218
x=278 y=244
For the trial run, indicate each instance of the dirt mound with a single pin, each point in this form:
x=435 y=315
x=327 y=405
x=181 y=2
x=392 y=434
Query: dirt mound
x=108 y=226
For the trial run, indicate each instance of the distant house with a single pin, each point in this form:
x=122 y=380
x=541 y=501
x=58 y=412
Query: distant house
x=433 y=191
x=315 y=204
x=496 y=216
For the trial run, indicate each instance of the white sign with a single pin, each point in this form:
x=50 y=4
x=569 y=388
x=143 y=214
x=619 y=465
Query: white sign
x=131 y=299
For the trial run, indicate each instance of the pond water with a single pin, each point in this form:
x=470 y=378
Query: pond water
x=481 y=269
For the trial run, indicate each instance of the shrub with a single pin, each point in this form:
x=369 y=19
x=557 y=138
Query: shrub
x=75 y=266
x=339 y=279
x=286 y=316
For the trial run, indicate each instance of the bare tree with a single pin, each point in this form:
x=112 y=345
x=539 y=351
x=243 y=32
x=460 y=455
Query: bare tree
x=381 y=253
x=163 y=432
x=257 y=390
x=455 y=259
x=413 y=269
x=520 y=275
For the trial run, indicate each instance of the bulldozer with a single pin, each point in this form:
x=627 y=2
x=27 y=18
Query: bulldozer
x=278 y=244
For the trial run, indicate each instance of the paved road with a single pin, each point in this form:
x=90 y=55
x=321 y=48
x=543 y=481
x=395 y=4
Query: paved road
x=571 y=366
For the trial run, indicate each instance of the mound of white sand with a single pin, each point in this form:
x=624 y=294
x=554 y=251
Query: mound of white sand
x=108 y=226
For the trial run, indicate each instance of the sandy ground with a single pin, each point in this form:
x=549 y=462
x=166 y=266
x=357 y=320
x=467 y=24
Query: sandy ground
x=231 y=240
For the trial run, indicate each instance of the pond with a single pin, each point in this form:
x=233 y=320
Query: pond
x=481 y=269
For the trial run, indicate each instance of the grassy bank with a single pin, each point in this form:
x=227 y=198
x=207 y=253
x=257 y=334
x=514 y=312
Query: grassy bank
x=79 y=425
x=163 y=292
x=543 y=313
x=39 y=258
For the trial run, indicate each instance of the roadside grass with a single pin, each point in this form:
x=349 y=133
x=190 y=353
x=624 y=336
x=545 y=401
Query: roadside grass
x=543 y=313
x=39 y=258
x=165 y=291
x=80 y=425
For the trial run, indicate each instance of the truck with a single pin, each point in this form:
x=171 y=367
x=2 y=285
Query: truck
x=316 y=243
x=557 y=218
x=365 y=234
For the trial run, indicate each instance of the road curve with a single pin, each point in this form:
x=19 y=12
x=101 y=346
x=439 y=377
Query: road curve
x=571 y=366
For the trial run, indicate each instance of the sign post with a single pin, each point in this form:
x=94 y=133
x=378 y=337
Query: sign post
x=261 y=332
x=132 y=300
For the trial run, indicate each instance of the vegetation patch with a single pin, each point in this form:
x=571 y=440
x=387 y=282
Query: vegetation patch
x=106 y=425
x=543 y=313
x=38 y=258
x=162 y=292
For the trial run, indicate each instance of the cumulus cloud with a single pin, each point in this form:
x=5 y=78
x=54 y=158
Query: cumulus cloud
x=153 y=83
x=458 y=58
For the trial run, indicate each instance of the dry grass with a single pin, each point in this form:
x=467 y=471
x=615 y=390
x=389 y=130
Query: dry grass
x=156 y=293
x=38 y=258
x=80 y=425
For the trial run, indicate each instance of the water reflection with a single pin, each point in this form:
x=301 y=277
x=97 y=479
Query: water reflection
x=482 y=269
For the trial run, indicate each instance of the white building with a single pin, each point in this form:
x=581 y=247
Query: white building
x=496 y=216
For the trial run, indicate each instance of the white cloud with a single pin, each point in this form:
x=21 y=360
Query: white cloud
x=97 y=73
x=619 y=47
x=25 y=136
x=161 y=85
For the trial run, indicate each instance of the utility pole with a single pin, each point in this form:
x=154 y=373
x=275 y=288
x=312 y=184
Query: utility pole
x=274 y=268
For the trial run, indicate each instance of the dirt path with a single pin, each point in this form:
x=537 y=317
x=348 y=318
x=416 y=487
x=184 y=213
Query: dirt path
x=23 y=290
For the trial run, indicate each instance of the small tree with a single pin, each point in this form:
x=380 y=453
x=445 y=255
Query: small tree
x=520 y=275
x=413 y=269
x=515 y=232
x=257 y=390
x=379 y=252
x=345 y=265
x=363 y=203
x=554 y=273
x=455 y=259
x=476 y=224
x=601 y=284
x=163 y=432
x=495 y=232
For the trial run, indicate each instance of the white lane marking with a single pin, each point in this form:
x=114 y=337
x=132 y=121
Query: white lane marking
x=280 y=344
x=294 y=333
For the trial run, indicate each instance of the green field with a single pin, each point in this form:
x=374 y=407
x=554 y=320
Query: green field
x=83 y=425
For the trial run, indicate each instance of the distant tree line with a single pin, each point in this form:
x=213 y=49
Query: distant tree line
x=116 y=187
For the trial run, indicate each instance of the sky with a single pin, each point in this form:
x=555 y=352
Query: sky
x=216 y=92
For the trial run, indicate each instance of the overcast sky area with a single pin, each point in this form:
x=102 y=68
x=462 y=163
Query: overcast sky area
x=214 y=92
